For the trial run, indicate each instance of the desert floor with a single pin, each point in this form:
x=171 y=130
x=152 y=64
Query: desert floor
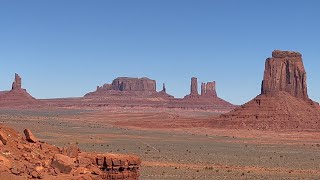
x=174 y=144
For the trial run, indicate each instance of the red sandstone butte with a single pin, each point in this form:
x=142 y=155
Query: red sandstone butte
x=207 y=98
x=211 y=89
x=17 y=96
x=208 y=90
x=284 y=71
x=283 y=102
x=194 y=86
x=129 y=87
x=203 y=89
x=130 y=84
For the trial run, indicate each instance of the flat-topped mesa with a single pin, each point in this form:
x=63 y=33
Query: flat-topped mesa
x=17 y=82
x=285 y=72
x=134 y=84
x=127 y=87
x=129 y=84
x=284 y=54
x=194 y=86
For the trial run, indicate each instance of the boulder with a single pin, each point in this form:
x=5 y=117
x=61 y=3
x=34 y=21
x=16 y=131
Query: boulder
x=5 y=162
x=63 y=163
x=29 y=136
x=71 y=151
x=3 y=138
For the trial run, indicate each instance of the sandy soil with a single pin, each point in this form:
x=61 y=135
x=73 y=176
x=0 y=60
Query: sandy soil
x=174 y=144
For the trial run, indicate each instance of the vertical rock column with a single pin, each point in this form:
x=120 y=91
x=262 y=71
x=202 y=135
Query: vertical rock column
x=203 y=89
x=194 y=86
x=211 y=89
x=17 y=82
x=284 y=71
x=164 y=87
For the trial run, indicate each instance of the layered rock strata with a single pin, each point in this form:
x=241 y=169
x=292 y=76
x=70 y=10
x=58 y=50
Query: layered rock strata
x=283 y=102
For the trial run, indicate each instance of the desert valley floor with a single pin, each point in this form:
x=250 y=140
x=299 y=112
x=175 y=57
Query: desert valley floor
x=173 y=143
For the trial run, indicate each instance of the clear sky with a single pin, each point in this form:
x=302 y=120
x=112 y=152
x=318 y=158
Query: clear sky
x=65 y=48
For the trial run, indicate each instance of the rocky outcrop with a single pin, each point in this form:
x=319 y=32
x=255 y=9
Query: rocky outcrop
x=203 y=89
x=283 y=102
x=130 y=84
x=3 y=139
x=194 y=86
x=17 y=96
x=208 y=90
x=17 y=82
x=164 y=89
x=29 y=136
x=134 y=84
x=20 y=159
x=284 y=71
x=126 y=87
x=208 y=98
x=211 y=89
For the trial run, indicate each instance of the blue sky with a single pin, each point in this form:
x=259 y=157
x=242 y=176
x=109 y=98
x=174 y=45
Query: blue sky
x=66 y=48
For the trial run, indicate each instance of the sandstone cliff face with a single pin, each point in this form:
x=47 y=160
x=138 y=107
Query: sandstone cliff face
x=17 y=82
x=194 y=86
x=211 y=89
x=130 y=84
x=203 y=89
x=128 y=88
x=285 y=72
x=134 y=84
x=283 y=102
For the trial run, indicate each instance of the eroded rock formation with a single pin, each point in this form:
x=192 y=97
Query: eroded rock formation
x=211 y=89
x=283 y=102
x=194 y=86
x=208 y=90
x=203 y=89
x=134 y=84
x=164 y=89
x=130 y=88
x=17 y=82
x=21 y=159
x=284 y=71
x=130 y=84
x=17 y=96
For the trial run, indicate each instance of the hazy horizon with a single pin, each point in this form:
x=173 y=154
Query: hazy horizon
x=67 y=48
